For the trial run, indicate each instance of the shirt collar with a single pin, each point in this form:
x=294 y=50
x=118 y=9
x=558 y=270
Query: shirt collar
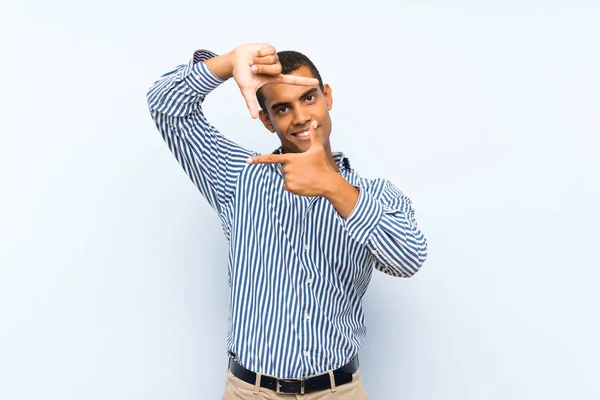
x=341 y=160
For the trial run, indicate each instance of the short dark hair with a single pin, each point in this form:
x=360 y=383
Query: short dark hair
x=290 y=61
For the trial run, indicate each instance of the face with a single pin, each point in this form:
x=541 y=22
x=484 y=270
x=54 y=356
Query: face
x=290 y=109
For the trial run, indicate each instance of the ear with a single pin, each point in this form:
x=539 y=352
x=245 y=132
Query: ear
x=264 y=118
x=328 y=96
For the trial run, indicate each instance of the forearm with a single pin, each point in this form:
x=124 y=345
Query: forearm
x=221 y=66
x=181 y=91
x=342 y=195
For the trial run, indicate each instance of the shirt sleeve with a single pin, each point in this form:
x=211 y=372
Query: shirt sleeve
x=383 y=220
x=211 y=161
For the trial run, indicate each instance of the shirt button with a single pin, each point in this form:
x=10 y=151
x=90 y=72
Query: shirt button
x=307 y=316
x=306 y=247
x=306 y=353
x=309 y=280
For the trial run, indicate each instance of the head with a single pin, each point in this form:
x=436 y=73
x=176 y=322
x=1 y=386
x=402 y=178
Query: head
x=289 y=109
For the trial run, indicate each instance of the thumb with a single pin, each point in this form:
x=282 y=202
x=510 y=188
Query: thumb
x=316 y=138
x=251 y=102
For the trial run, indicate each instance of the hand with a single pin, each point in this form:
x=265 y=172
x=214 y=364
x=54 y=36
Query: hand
x=305 y=174
x=256 y=64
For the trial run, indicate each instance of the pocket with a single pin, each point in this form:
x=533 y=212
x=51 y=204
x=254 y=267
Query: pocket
x=357 y=390
x=238 y=383
x=238 y=389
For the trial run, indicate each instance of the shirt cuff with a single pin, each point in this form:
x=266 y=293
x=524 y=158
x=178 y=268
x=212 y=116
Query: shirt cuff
x=198 y=76
x=364 y=218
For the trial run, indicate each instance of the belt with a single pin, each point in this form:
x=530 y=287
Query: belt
x=341 y=376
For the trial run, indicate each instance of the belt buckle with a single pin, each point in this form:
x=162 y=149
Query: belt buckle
x=292 y=383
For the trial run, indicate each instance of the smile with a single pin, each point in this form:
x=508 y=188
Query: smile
x=301 y=134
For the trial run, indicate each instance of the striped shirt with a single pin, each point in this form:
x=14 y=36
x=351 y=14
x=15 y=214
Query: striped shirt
x=297 y=269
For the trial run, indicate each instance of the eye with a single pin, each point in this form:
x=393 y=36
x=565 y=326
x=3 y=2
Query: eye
x=310 y=98
x=282 y=110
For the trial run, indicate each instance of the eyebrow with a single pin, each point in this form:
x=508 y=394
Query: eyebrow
x=287 y=104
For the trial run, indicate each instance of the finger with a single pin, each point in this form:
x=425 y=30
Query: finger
x=251 y=102
x=272 y=59
x=273 y=69
x=269 y=159
x=266 y=51
x=294 y=80
x=316 y=137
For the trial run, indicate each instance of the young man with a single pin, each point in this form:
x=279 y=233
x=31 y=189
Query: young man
x=304 y=229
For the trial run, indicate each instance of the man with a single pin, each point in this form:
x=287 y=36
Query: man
x=304 y=229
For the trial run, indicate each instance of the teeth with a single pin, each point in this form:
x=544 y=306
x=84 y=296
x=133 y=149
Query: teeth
x=303 y=134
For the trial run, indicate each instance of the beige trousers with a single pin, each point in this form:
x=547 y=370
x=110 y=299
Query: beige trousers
x=237 y=389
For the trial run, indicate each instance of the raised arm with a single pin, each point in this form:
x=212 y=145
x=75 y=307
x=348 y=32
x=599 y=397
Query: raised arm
x=212 y=161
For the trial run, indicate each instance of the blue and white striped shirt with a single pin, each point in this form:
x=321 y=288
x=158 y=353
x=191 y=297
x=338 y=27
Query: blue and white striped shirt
x=297 y=269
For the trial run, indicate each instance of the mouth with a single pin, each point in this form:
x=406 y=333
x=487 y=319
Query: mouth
x=304 y=135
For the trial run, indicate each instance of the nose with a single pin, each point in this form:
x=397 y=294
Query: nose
x=301 y=116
